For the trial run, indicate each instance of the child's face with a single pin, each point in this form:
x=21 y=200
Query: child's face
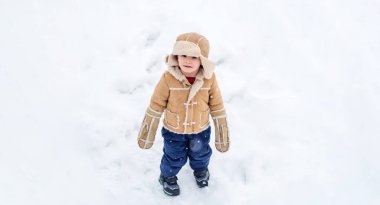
x=189 y=65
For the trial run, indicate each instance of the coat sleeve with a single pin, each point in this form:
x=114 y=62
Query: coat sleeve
x=153 y=114
x=219 y=116
x=216 y=101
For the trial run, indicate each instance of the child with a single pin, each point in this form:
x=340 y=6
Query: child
x=187 y=93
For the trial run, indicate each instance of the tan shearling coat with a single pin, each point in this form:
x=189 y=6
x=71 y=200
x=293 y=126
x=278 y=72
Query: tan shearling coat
x=186 y=108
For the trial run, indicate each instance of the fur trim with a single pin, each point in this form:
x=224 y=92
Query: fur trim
x=197 y=85
x=171 y=61
x=208 y=66
x=186 y=48
x=176 y=73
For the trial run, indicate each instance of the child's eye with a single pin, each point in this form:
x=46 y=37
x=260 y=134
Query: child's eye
x=183 y=56
x=194 y=58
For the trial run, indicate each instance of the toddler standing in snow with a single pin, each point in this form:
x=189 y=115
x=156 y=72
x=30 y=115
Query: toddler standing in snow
x=187 y=94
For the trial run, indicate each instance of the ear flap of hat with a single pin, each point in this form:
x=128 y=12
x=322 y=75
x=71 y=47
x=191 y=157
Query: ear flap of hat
x=171 y=60
x=208 y=67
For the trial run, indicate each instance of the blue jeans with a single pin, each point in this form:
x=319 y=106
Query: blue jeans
x=179 y=147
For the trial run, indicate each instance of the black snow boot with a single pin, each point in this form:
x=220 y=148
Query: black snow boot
x=169 y=185
x=202 y=178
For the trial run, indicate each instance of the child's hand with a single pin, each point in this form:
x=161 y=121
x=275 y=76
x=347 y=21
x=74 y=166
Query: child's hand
x=222 y=139
x=148 y=129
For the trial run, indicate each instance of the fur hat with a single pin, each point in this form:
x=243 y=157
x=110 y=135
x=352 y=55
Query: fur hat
x=192 y=44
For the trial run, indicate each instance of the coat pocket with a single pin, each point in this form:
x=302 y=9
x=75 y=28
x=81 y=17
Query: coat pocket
x=204 y=118
x=172 y=119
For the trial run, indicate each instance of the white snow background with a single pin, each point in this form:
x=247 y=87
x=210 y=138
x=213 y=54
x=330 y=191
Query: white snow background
x=300 y=81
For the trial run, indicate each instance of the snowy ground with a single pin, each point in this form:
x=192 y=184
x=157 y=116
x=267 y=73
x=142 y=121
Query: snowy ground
x=300 y=81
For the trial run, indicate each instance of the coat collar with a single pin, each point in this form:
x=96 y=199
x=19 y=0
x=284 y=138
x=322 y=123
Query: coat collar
x=197 y=85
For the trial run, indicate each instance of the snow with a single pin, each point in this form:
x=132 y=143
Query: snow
x=299 y=80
